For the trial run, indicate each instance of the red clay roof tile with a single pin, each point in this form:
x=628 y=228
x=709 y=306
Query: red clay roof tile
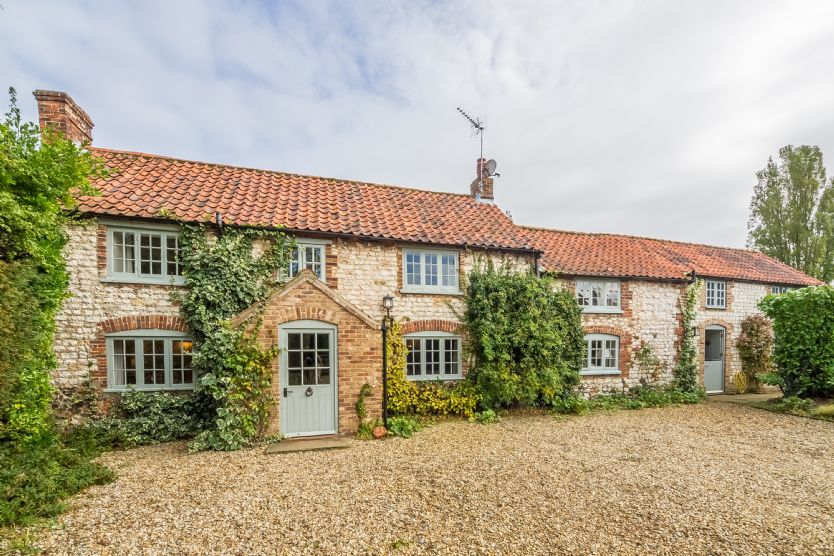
x=145 y=186
x=585 y=254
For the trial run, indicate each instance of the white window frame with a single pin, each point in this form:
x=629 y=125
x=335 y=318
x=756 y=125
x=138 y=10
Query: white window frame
x=441 y=336
x=168 y=336
x=301 y=245
x=776 y=290
x=594 y=370
x=137 y=277
x=716 y=294
x=606 y=286
x=430 y=258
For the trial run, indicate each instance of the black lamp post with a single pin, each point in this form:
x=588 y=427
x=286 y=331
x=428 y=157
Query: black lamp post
x=387 y=321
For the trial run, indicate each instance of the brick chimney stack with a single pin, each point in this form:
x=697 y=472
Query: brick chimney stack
x=58 y=111
x=482 y=187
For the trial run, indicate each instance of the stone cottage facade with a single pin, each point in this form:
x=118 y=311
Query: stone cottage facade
x=357 y=243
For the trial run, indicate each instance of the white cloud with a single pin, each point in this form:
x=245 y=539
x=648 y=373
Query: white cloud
x=633 y=117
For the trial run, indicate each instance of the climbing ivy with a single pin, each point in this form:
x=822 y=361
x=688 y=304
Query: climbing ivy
x=686 y=366
x=224 y=275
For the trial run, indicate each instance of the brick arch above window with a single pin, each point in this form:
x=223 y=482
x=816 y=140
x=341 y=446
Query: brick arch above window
x=98 y=347
x=432 y=325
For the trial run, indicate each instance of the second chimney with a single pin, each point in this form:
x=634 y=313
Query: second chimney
x=481 y=188
x=58 y=111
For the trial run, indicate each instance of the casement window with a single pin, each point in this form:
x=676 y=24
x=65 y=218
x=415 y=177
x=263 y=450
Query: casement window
x=598 y=296
x=430 y=271
x=143 y=256
x=716 y=294
x=780 y=289
x=603 y=357
x=432 y=356
x=307 y=256
x=149 y=360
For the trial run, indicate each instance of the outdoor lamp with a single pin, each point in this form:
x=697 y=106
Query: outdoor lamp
x=695 y=331
x=388 y=304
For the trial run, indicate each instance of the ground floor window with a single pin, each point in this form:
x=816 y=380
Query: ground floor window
x=433 y=355
x=603 y=355
x=149 y=360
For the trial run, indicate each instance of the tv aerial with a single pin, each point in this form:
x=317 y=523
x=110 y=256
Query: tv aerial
x=479 y=128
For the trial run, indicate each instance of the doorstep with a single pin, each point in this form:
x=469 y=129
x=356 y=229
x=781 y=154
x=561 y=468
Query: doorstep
x=307 y=445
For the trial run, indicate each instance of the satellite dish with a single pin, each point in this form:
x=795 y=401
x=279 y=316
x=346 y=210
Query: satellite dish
x=491 y=165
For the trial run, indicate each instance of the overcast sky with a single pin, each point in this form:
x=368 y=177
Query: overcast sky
x=645 y=118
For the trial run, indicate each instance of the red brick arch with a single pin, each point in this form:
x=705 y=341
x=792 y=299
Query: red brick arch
x=432 y=325
x=98 y=347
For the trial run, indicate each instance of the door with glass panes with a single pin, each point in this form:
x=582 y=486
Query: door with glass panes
x=308 y=379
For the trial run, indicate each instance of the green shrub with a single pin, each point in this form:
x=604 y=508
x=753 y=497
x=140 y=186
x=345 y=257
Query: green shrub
x=755 y=347
x=141 y=418
x=793 y=404
x=570 y=405
x=685 y=370
x=36 y=478
x=825 y=411
x=403 y=426
x=525 y=335
x=485 y=417
x=803 y=322
x=638 y=398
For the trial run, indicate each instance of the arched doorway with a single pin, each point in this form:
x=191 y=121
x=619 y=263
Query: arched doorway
x=714 y=337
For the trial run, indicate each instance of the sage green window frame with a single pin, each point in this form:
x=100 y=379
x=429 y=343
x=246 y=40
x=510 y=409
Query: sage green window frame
x=430 y=271
x=448 y=352
x=606 y=342
x=136 y=275
x=167 y=337
x=603 y=291
x=716 y=294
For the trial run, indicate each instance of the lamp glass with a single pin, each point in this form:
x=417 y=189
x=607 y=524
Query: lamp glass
x=388 y=302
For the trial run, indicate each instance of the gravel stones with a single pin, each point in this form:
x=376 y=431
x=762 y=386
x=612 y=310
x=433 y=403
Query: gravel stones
x=715 y=478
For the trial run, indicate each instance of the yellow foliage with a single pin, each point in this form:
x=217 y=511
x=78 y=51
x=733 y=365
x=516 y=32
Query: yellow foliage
x=410 y=398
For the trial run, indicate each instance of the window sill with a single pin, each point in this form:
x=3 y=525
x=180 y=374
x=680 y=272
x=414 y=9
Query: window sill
x=160 y=389
x=596 y=311
x=600 y=373
x=143 y=281
x=420 y=291
x=435 y=378
x=715 y=308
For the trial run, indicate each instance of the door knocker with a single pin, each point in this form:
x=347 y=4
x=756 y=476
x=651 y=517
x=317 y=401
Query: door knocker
x=309 y=391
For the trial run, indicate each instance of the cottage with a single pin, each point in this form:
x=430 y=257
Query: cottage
x=358 y=242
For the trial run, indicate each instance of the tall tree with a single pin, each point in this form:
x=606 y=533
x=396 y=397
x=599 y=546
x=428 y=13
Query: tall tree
x=792 y=212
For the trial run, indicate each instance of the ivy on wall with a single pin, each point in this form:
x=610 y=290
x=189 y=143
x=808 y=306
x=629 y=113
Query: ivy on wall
x=686 y=366
x=223 y=276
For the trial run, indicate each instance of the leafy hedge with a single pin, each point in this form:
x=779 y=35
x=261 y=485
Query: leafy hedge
x=803 y=323
x=755 y=347
x=525 y=335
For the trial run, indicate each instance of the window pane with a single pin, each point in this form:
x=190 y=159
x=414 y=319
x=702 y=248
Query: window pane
x=449 y=271
x=150 y=254
x=172 y=255
x=294 y=377
x=451 y=363
x=596 y=294
x=612 y=295
x=308 y=341
x=295 y=262
x=181 y=373
x=431 y=346
x=294 y=341
x=583 y=293
x=595 y=353
x=323 y=341
x=430 y=261
x=412 y=268
x=610 y=354
x=124 y=362
x=124 y=252
x=153 y=361
x=313 y=259
x=412 y=361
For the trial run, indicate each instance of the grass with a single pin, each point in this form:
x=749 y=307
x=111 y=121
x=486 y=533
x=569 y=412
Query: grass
x=801 y=407
x=36 y=479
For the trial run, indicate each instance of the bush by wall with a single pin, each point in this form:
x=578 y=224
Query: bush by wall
x=803 y=324
x=685 y=370
x=755 y=347
x=423 y=398
x=525 y=335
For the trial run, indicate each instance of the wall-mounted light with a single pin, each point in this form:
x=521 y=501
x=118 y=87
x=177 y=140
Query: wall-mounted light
x=695 y=331
x=387 y=322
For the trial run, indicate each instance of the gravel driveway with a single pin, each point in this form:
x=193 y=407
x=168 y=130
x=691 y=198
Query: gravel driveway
x=717 y=478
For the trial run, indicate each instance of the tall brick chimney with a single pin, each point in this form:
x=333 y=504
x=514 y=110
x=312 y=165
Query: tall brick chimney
x=481 y=188
x=58 y=111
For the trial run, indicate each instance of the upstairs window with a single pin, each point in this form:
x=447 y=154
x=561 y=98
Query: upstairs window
x=137 y=255
x=430 y=271
x=603 y=356
x=432 y=355
x=716 y=294
x=598 y=296
x=307 y=256
x=780 y=289
x=149 y=360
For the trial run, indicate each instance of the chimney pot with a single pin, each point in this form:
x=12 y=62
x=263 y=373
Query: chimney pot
x=58 y=111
